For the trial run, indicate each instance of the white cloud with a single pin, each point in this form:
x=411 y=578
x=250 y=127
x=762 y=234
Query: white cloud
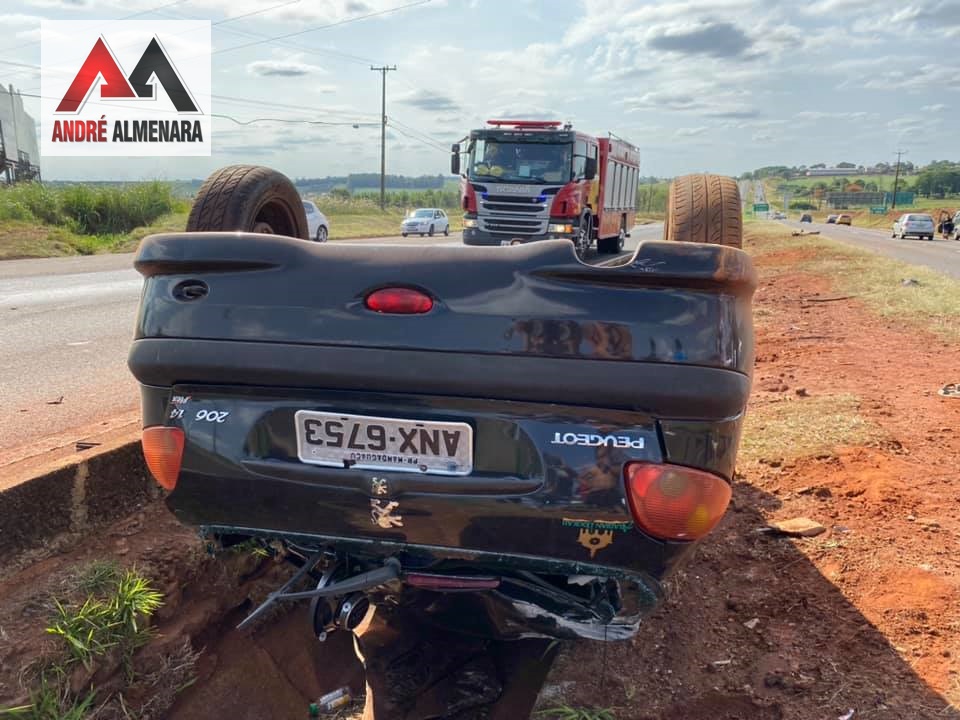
x=292 y=66
x=691 y=131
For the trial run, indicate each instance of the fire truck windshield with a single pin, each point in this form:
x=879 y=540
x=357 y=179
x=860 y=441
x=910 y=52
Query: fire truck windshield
x=530 y=162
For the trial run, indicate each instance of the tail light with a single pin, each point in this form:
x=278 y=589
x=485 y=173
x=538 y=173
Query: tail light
x=671 y=502
x=163 y=451
x=399 y=301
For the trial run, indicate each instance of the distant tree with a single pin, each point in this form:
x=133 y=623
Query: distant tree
x=340 y=193
x=846 y=165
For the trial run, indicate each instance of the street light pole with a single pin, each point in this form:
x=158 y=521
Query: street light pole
x=383 y=130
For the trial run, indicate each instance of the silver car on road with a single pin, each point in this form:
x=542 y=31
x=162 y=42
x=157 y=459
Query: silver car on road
x=918 y=225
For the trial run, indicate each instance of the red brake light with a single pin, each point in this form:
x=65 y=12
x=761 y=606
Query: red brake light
x=163 y=451
x=671 y=502
x=399 y=301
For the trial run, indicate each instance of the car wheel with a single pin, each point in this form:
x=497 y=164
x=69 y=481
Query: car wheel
x=321 y=234
x=446 y=231
x=430 y=231
x=249 y=198
x=403 y=234
x=704 y=209
x=421 y=234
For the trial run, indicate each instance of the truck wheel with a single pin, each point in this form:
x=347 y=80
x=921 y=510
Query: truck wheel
x=249 y=198
x=704 y=209
x=584 y=237
x=615 y=244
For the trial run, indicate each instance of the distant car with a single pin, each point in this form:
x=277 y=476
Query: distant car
x=319 y=227
x=779 y=216
x=918 y=225
x=425 y=221
x=832 y=219
x=844 y=219
x=806 y=217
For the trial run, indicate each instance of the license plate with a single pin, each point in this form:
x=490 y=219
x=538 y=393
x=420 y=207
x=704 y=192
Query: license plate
x=376 y=443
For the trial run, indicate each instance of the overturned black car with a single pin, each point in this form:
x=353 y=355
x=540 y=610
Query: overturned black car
x=504 y=438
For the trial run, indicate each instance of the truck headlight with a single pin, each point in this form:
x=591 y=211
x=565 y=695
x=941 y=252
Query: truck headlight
x=470 y=223
x=558 y=228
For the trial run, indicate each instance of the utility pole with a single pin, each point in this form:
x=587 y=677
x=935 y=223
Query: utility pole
x=383 y=131
x=896 y=179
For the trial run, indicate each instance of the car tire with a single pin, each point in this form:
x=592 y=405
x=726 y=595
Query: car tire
x=430 y=231
x=322 y=234
x=446 y=231
x=403 y=234
x=704 y=208
x=248 y=198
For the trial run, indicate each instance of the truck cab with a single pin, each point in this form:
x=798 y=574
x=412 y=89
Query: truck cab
x=523 y=181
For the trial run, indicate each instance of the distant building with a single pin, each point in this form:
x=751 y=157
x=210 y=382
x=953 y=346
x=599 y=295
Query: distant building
x=18 y=131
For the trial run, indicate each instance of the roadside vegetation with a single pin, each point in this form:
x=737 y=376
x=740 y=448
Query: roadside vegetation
x=43 y=220
x=100 y=618
x=38 y=220
x=932 y=303
x=780 y=430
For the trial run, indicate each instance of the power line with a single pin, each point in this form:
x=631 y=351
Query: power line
x=419 y=140
x=125 y=17
x=415 y=135
x=383 y=70
x=432 y=138
x=324 y=27
x=295 y=121
x=285 y=106
x=302 y=48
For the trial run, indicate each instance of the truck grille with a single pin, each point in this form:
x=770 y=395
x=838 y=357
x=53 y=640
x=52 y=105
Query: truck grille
x=514 y=226
x=514 y=215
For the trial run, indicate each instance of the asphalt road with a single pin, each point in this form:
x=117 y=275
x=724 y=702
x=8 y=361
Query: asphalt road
x=939 y=254
x=65 y=330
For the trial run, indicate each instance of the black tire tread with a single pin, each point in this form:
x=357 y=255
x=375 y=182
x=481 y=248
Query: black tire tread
x=704 y=208
x=223 y=197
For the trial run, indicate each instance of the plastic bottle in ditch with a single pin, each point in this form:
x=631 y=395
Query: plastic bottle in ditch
x=334 y=700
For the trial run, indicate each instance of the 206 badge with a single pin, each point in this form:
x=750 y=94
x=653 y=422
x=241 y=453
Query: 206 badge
x=382 y=515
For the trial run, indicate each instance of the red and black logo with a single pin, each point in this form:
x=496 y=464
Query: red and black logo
x=116 y=85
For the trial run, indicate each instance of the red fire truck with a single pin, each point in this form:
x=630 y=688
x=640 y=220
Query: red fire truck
x=526 y=180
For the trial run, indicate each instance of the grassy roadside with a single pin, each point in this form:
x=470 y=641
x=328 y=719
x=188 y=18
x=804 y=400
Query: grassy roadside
x=932 y=305
x=779 y=428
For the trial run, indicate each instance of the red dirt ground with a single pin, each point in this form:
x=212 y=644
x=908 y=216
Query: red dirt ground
x=865 y=617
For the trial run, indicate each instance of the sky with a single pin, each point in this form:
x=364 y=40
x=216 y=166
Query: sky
x=722 y=86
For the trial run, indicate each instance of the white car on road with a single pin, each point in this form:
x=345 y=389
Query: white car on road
x=317 y=223
x=425 y=221
x=920 y=225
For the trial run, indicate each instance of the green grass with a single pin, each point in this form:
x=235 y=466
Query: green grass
x=565 y=712
x=106 y=620
x=800 y=427
x=872 y=278
x=52 y=701
x=44 y=221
